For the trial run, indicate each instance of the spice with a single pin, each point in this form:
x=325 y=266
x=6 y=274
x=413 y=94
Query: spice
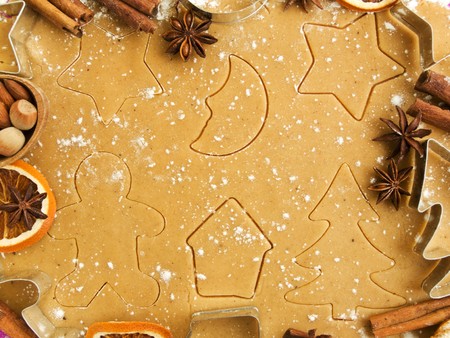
x=187 y=34
x=11 y=325
x=129 y=15
x=74 y=9
x=404 y=134
x=292 y=333
x=390 y=185
x=431 y=114
x=56 y=16
x=412 y=317
x=434 y=84
x=302 y=4
x=24 y=209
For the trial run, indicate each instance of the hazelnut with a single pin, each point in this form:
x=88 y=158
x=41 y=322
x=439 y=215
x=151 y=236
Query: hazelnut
x=23 y=115
x=11 y=141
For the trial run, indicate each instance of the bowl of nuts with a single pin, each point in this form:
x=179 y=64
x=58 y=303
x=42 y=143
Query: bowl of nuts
x=23 y=114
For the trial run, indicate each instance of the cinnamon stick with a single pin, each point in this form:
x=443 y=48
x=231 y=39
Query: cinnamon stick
x=427 y=320
x=129 y=15
x=411 y=317
x=434 y=84
x=54 y=15
x=294 y=333
x=431 y=114
x=12 y=325
x=144 y=6
x=74 y=9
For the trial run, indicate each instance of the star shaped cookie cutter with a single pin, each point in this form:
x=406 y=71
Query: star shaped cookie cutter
x=419 y=26
x=226 y=17
x=33 y=315
x=16 y=37
x=437 y=284
x=241 y=312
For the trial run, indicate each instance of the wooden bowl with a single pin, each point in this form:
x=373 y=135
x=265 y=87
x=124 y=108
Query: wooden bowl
x=32 y=135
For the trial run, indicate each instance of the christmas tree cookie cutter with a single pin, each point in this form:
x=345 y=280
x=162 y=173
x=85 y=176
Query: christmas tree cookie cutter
x=250 y=312
x=16 y=36
x=33 y=315
x=226 y=17
x=437 y=284
x=419 y=26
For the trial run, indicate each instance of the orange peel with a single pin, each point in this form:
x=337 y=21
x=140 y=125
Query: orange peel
x=41 y=226
x=367 y=6
x=127 y=329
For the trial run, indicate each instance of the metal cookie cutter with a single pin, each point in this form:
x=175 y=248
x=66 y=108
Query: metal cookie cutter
x=437 y=283
x=226 y=17
x=17 y=36
x=419 y=26
x=33 y=315
x=248 y=311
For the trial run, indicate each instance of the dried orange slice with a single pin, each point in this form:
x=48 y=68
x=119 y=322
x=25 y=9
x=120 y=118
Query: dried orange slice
x=27 y=206
x=127 y=330
x=367 y=5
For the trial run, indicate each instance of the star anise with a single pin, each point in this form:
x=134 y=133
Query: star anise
x=26 y=208
x=302 y=3
x=404 y=134
x=390 y=185
x=188 y=34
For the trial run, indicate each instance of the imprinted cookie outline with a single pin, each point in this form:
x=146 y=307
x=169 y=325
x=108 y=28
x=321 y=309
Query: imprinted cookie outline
x=107 y=122
x=266 y=113
x=100 y=290
x=363 y=112
x=367 y=241
x=261 y=265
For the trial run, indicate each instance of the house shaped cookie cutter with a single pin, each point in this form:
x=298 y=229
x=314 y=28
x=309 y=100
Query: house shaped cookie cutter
x=437 y=284
x=17 y=36
x=419 y=26
x=33 y=315
x=248 y=311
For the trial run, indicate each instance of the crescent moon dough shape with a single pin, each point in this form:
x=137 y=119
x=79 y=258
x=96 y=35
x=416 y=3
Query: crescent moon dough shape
x=238 y=112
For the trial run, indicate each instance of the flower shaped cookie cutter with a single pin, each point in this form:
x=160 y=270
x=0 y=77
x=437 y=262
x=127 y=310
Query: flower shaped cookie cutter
x=33 y=315
x=226 y=17
x=250 y=312
x=437 y=229
x=16 y=36
x=419 y=26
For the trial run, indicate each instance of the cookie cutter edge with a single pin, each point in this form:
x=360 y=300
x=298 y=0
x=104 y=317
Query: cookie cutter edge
x=422 y=29
x=33 y=315
x=247 y=311
x=226 y=17
x=18 y=46
x=442 y=269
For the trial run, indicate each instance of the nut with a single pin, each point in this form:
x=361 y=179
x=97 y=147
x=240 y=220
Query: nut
x=4 y=116
x=11 y=141
x=5 y=96
x=17 y=90
x=23 y=115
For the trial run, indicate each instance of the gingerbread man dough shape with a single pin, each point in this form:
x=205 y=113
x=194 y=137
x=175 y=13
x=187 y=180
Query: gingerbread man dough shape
x=106 y=225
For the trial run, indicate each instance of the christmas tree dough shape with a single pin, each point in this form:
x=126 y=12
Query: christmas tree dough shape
x=343 y=255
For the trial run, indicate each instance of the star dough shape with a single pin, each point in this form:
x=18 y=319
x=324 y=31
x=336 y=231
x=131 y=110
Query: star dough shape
x=109 y=87
x=351 y=83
